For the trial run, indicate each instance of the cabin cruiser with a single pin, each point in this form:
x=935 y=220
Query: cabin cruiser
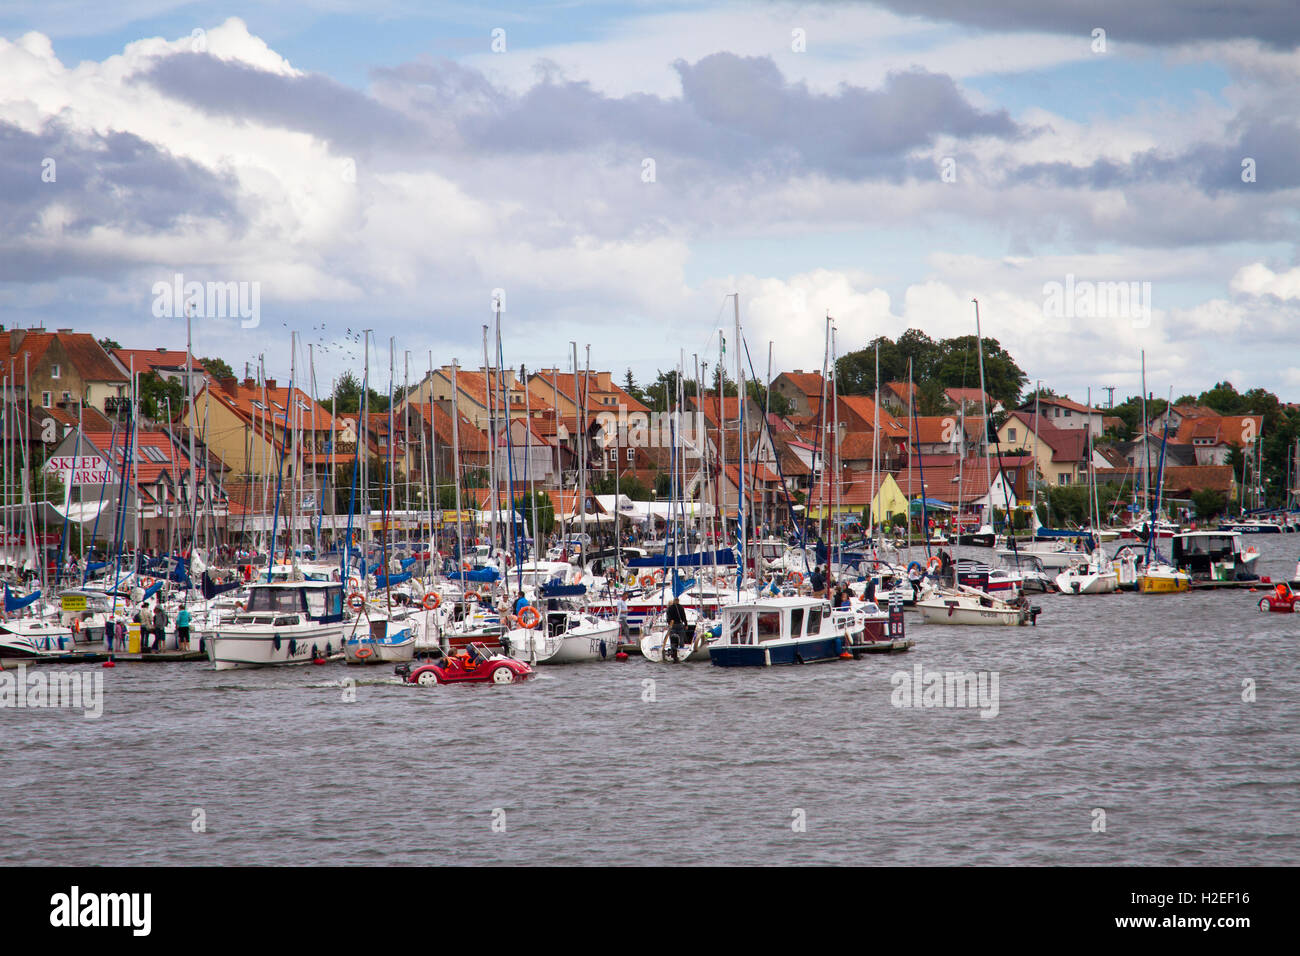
x=1215 y=556
x=382 y=639
x=283 y=623
x=784 y=630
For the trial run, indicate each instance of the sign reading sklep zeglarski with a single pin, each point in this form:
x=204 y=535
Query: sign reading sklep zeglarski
x=80 y=470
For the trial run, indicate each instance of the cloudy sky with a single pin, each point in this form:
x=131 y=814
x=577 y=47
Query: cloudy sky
x=619 y=169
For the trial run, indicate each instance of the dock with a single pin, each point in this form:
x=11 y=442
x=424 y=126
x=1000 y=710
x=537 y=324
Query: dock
x=99 y=657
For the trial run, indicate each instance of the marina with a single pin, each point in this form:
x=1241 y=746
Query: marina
x=646 y=435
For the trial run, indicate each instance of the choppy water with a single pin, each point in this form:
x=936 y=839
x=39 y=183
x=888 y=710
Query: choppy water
x=1124 y=703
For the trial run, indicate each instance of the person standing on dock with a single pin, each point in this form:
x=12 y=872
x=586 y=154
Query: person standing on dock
x=622 y=616
x=159 y=625
x=183 y=629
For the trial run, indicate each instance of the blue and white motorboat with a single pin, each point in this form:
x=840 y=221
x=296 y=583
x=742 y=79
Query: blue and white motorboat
x=784 y=630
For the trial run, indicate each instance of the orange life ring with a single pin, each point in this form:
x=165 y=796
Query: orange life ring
x=530 y=617
x=471 y=597
x=354 y=582
x=356 y=600
x=432 y=600
x=934 y=564
x=466 y=566
x=364 y=652
x=795 y=577
x=647 y=580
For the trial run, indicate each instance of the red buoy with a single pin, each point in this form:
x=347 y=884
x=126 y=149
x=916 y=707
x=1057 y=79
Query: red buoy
x=108 y=664
x=621 y=656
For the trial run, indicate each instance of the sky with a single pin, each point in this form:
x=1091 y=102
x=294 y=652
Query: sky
x=1109 y=179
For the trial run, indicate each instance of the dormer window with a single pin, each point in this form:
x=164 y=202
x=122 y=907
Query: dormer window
x=55 y=371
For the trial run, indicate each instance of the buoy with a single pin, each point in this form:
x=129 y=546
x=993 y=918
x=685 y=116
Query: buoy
x=846 y=656
x=621 y=656
x=108 y=663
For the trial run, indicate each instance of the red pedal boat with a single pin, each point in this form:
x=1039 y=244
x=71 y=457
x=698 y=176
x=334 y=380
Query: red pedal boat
x=475 y=664
x=1282 y=601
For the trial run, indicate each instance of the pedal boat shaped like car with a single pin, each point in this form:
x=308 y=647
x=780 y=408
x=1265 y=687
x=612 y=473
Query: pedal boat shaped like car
x=473 y=665
x=1282 y=601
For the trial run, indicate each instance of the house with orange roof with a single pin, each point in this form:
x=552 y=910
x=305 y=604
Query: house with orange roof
x=483 y=394
x=61 y=367
x=1066 y=414
x=251 y=425
x=167 y=364
x=802 y=389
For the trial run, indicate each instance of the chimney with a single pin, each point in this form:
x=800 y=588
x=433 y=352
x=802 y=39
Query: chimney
x=16 y=337
x=250 y=383
x=162 y=350
x=798 y=371
x=63 y=331
x=229 y=385
x=270 y=385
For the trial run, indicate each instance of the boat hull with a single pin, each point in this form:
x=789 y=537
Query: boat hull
x=229 y=649
x=773 y=653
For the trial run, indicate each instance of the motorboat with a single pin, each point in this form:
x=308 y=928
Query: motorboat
x=292 y=622
x=562 y=637
x=783 y=630
x=963 y=605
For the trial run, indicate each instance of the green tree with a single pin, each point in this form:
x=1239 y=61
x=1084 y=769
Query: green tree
x=159 y=395
x=545 y=511
x=109 y=344
x=216 y=368
x=1209 y=502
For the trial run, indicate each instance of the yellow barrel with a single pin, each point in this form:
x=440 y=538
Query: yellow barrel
x=133 y=638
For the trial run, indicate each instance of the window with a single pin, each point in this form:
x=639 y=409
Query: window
x=258 y=405
x=155 y=454
x=796 y=622
x=631 y=455
x=55 y=371
x=814 y=620
x=303 y=406
x=46 y=399
x=1067 y=413
x=67 y=396
x=769 y=626
x=1011 y=434
x=1063 y=478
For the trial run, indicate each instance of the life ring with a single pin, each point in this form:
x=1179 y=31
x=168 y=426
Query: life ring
x=354 y=583
x=431 y=601
x=795 y=578
x=466 y=566
x=647 y=580
x=364 y=652
x=471 y=597
x=530 y=617
x=934 y=564
x=356 y=600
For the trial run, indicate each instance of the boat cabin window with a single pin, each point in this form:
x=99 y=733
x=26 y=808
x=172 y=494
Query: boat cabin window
x=796 y=622
x=286 y=621
x=814 y=620
x=316 y=603
x=274 y=599
x=769 y=626
x=742 y=631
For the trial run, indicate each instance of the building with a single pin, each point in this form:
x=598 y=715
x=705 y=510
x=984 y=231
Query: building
x=61 y=368
x=167 y=364
x=802 y=389
x=1066 y=414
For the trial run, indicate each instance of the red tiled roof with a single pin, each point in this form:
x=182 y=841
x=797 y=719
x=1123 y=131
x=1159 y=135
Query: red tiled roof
x=83 y=352
x=149 y=359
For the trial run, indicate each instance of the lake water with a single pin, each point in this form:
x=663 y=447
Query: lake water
x=1126 y=705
